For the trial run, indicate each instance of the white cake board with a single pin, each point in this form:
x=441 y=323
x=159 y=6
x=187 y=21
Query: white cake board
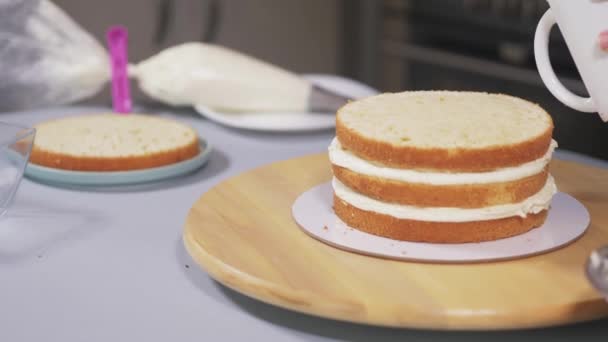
x=568 y=219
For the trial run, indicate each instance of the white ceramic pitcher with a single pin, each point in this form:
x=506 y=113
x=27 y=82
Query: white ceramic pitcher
x=581 y=22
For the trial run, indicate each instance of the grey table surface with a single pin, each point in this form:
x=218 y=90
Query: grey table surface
x=109 y=264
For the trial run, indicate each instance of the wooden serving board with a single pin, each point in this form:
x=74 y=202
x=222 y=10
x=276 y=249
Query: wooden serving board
x=242 y=233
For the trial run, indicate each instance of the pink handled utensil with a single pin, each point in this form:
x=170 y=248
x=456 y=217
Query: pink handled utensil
x=117 y=37
x=603 y=38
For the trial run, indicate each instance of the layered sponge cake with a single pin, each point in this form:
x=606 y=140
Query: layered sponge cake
x=442 y=167
x=112 y=142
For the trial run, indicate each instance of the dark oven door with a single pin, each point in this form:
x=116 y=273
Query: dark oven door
x=450 y=46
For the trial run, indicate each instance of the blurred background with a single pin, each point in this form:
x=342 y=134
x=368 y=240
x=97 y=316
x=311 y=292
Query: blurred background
x=393 y=45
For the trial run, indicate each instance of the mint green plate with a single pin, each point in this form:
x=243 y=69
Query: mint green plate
x=90 y=178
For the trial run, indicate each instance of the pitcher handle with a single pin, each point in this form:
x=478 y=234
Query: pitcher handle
x=547 y=74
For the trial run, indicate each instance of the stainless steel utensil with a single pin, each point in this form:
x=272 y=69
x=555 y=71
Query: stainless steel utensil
x=597 y=270
x=323 y=100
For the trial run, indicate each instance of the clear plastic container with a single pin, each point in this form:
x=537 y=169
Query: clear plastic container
x=16 y=144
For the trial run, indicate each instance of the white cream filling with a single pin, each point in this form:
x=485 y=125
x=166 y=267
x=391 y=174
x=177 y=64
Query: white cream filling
x=532 y=205
x=345 y=159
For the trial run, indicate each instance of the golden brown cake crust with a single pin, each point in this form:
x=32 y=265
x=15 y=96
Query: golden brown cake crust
x=427 y=195
x=435 y=232
x=457 y=159
x=71 y=162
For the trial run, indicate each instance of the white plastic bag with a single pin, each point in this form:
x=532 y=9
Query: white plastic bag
x=46 y=58
x=210 y=75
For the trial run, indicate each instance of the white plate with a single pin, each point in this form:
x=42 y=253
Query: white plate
x=93 y=178
x=568 y=219
x=292 y=121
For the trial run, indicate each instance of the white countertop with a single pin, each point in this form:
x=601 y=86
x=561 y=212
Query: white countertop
x=109 y=265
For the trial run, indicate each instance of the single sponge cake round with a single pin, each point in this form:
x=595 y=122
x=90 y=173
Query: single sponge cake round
x=460 y=131
x=442 y=167
x=112 y=142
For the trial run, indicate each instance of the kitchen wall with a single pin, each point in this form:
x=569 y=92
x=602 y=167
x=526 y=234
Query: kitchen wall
x=301 y=35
